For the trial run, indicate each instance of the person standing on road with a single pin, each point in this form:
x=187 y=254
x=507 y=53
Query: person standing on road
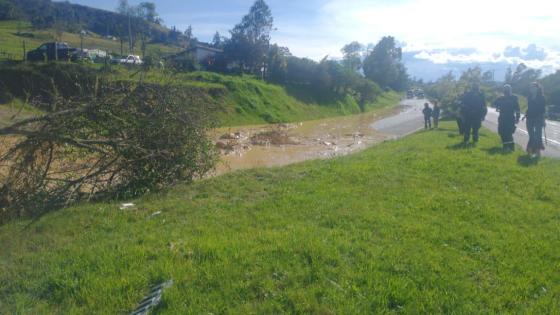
x=427 y=116
x=508 y=107
x=436 y=112
x=473 y=112
x=536 y=120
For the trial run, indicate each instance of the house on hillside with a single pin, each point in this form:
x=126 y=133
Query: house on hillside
x=204 y=52
x=205 y=55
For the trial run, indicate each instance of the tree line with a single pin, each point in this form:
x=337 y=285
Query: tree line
x=448 y=88
x=362 y=73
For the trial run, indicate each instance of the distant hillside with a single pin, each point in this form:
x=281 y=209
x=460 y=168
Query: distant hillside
x=70 y=17
x=14 y=32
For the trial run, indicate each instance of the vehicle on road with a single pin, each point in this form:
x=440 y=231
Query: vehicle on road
x=48 y=52
x=130 y=60
x=554 y=112
x=410 y=94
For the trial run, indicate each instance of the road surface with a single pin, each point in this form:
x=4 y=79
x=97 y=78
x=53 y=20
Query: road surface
x=411 y=120
x=522 y=136
x=406 y=122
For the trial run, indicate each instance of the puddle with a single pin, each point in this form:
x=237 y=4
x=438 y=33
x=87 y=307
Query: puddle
x=283 y=144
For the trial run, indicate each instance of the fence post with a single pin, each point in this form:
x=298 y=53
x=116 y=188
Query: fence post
x=24 y=52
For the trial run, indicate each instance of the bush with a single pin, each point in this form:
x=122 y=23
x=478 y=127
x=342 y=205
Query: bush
x=5 y=95
x=130 y=140
x=46 y=81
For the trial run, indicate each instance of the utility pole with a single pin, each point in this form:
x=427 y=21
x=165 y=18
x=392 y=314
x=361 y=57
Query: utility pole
x=129 y=35
x=82 y=34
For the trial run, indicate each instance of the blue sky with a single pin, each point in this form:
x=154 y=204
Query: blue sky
x=440 y=30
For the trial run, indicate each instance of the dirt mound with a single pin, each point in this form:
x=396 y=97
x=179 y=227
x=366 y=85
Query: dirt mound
x=273 y=137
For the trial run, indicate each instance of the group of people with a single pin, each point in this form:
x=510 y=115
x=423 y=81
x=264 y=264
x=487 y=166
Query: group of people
x=431 y=113
x=473 y=112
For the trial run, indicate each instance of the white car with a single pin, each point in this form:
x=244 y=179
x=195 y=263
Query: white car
x=132 y=60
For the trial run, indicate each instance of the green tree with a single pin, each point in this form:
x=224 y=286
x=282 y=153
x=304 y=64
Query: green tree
x=509 y=75
x=147 y=11
x=217 y=41
x=250 y=39
x=383 y=65
x=7 y=10
x=123 y=7
x=352 y=56
x=277 y=61
x=523 y=77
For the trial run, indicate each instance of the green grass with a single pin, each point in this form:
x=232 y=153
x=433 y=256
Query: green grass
x=11 y=45
x=250 y=101
x=15 y=110
x=245 y=100
x=413 y=226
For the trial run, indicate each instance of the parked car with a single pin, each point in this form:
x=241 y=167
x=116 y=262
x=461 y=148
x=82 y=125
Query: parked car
x=92 y=55
x=131 y=60
x=48 y=52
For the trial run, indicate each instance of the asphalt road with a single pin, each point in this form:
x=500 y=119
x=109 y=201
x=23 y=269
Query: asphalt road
x=411 y=120
x=406 y=122
x=522 y=136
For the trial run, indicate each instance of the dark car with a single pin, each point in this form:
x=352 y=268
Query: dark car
x=47 y=52
x=554 y=112
x=410 y=94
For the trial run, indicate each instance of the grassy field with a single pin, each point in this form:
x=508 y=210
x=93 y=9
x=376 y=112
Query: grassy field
x=11 y=44
x=416 y=226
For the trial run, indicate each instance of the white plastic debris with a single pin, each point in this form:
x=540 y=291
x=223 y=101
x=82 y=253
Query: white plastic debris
x=125 y=206
x=155 y=214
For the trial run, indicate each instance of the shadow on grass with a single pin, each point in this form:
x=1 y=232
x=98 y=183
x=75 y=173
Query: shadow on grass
x=459 y=146
x=527 y=161
x=498 y=151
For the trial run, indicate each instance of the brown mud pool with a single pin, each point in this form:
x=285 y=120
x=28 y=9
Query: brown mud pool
x=283 y=144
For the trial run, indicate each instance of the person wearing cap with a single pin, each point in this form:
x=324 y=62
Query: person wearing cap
x=536 y=119
x=473 y=111
x=427 y=116
x=508 y=107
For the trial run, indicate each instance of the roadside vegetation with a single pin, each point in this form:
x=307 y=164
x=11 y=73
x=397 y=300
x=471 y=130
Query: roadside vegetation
x=449 y=88
x=412 y=226
x=238 y=100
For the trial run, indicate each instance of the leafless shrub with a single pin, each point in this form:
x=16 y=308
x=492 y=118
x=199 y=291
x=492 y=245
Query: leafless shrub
x=123 y=142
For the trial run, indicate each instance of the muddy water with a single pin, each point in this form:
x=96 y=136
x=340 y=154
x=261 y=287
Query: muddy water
x=246 y=147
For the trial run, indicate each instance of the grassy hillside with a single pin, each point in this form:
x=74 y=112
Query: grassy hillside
x=249 y=101
x=238 y=100
x=11 y=44
x=413 y=226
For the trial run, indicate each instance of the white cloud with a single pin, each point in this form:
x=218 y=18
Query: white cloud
x=490 y=26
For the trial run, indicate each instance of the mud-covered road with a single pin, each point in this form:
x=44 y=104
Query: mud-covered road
x=279 y=145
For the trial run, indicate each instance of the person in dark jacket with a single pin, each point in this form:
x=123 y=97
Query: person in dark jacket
x=473 y=112
x=508 y=107
x=427 y=116
x=536 y=120
x=436 y=113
